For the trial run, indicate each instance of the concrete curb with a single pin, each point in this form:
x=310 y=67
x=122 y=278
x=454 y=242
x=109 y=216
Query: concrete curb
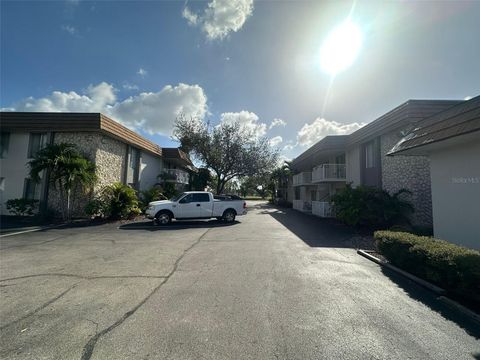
x=34 y=229
x=466 y=311
x=437 y=290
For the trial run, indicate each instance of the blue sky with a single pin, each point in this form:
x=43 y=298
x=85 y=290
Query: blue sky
x=144 y=62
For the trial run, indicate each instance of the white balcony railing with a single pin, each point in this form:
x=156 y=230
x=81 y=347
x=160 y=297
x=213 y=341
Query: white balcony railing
x=302 y=205
x=321 y=208
x=304 y=178
x=329 y=172
x=177 y=176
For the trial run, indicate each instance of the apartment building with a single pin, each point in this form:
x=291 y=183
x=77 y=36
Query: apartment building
x=360 y=159
x=451 y=142
x=120 y=154
x=177 y=167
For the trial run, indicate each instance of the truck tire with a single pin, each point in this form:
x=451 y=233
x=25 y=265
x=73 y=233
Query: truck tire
x=229 y=215
x=163 y=218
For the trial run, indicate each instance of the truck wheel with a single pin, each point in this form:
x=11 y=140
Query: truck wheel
x=229 y=216
x=163 y=218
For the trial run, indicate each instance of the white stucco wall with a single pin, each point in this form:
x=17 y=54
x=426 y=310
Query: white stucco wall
x=352 y=159
x=455 y=178
x=150 y=167
x=13 y=169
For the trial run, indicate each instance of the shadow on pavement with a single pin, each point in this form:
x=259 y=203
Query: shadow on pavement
x=175 y=225
x=316 y=231
x=320 y=232
x=429 y=298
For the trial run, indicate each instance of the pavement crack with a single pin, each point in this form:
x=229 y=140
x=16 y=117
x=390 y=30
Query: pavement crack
x=37 y=244
x=90 y=345
x=41 y=307
x=85 y=277
x=95 y=323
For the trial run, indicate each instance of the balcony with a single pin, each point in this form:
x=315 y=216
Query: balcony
x=176 y=176
x=329 y=172
x=302 y=205
x=304 y=178
x=322 y=209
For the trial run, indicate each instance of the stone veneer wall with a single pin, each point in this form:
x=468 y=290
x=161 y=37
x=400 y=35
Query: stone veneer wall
x=109 y=157
x=409 y=172
x=110 y=161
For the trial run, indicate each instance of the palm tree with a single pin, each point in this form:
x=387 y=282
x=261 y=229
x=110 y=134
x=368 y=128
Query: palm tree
x=68 y=171
x=281 y=176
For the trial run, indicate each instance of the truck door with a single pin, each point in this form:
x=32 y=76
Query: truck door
x=203 y=205
x=186 y=208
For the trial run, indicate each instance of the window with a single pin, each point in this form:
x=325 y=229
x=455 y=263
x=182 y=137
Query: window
x=201 y=198
x=4 y=142
x=370 y=155
x=30 y=190
x=37 y=142
x=187 y=199
x=133 y=157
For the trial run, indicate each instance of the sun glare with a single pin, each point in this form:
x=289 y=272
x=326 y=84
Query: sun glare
x=340 y=48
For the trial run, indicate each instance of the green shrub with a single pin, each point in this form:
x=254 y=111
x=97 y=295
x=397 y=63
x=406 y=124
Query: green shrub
x=21 y=207
x=116 y=201
x=96 y=208
x=169 y=190
x=153 y=194
x=371 y=207
x=121 y=201
x=452 y=267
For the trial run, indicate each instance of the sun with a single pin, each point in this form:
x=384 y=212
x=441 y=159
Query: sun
x=341 y=48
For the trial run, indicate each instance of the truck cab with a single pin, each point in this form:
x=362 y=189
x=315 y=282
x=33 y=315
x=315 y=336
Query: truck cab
x=195 y=205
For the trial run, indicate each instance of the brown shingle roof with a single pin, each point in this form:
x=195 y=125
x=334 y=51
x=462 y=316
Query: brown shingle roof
x=75 y=122
x=410 y=112
x=460 y=119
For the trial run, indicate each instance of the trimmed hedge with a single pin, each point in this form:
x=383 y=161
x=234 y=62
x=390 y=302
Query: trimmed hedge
x=452 y=267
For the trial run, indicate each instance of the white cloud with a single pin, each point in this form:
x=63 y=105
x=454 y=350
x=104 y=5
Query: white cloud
x=142 y=72
x=128 y=86
x=220 y=17
x=191 y=17
x=247 y=119
x=275 y=141
x=70 y=29
x=95 y=99
x=289 y=147
x=319 y=128
x=281 y=160
x=153 y=112
x=277 y=122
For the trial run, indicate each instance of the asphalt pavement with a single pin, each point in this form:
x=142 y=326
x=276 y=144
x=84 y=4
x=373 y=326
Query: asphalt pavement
x=277 y=284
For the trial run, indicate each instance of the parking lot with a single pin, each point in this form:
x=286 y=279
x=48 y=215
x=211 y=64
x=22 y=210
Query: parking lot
x=274 y=285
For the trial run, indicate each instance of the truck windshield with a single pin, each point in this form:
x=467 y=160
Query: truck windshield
x=175 y=198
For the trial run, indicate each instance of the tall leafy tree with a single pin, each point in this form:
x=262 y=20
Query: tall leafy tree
x=229 y=150
x=68 y=171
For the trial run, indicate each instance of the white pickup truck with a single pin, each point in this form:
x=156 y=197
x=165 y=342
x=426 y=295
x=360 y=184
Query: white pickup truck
x=195 y=205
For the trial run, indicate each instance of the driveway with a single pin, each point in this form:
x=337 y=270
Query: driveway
x=275 y=285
